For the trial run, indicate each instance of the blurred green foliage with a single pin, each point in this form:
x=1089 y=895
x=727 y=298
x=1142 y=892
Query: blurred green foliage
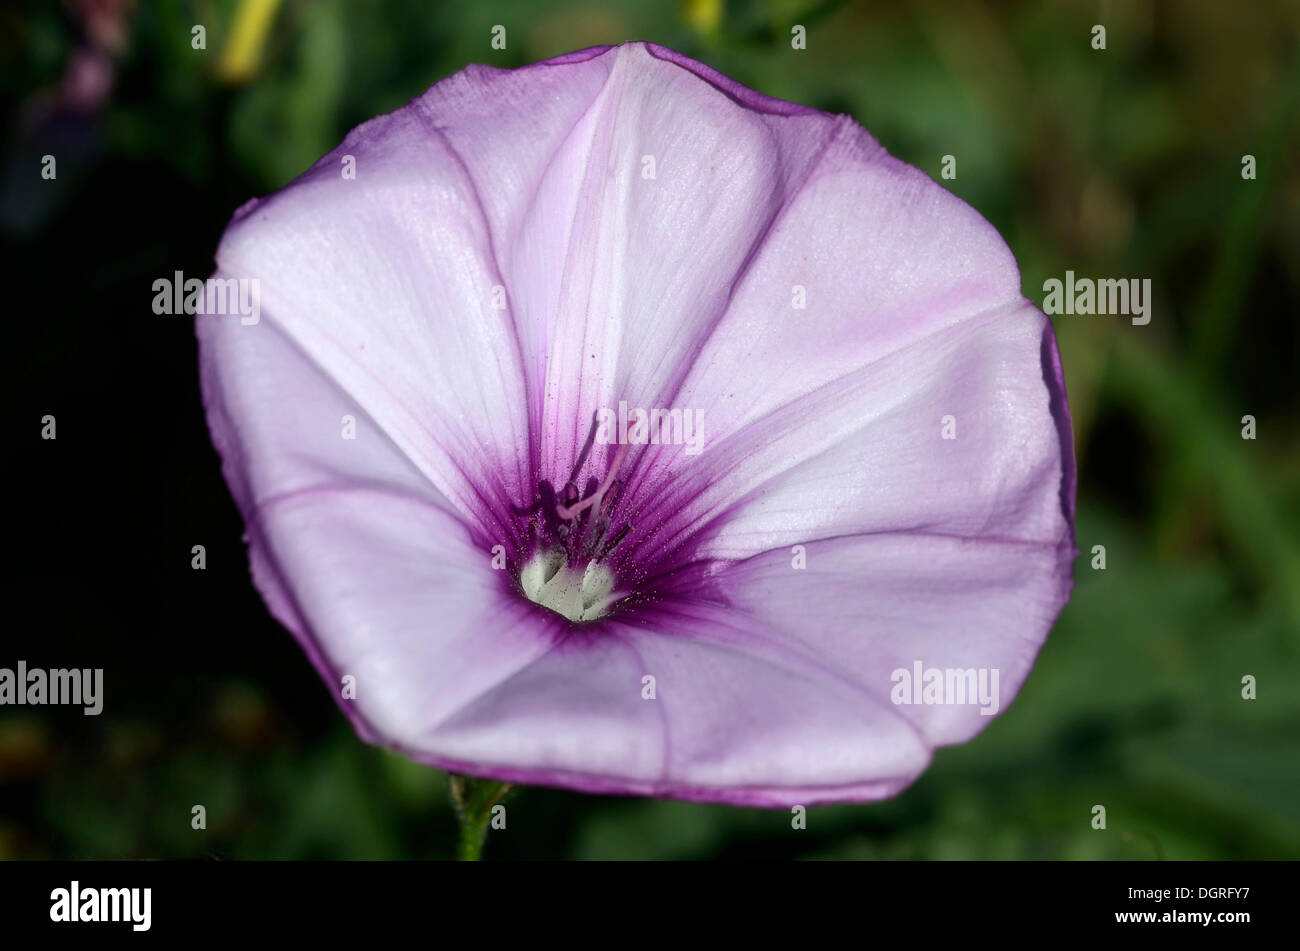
x=1123 y=162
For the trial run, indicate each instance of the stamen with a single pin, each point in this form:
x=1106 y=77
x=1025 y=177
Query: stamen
x=572 y=537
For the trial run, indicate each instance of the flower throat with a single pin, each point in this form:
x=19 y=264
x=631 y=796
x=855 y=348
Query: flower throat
x=570 y=535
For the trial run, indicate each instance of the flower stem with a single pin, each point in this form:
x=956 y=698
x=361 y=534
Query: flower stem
x=474 y=799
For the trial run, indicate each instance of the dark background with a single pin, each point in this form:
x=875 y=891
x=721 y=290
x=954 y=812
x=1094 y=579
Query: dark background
x=1117 y=163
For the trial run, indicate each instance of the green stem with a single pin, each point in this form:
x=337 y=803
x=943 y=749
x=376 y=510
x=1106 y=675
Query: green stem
x=472 y=836
x=474 y=799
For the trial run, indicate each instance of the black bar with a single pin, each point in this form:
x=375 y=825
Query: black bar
x=976 y=900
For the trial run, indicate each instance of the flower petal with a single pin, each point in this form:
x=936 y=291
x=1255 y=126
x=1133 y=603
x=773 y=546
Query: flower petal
x=618 y=197
x=356 y=553
x=872 y=604
x=958 y=433
x=735 y=717
x=389 y=279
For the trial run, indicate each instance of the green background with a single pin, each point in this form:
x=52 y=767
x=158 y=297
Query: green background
x=1123 y=163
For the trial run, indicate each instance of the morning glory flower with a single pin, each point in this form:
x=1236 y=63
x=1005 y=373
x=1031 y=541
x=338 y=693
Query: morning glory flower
x=613 y=426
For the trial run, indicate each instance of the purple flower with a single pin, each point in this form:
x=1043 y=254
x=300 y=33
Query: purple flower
x=436 y=434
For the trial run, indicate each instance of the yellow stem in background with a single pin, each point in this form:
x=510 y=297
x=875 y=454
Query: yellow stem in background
x=247 y=38
x=703 y=16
